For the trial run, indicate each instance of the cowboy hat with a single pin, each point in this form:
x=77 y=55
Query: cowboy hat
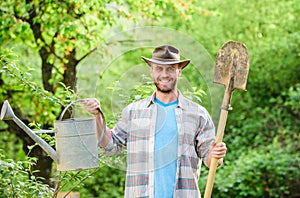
x=166 y=55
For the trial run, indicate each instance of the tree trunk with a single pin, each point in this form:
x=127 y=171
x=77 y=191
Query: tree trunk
x=70 y=70
x=46 y=70
x=44 y=51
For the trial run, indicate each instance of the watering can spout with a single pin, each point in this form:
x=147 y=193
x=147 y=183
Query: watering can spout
x=8 y=114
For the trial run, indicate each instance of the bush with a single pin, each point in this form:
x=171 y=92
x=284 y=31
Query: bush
x=17 y=180
x=253 y=126
x=271 y=171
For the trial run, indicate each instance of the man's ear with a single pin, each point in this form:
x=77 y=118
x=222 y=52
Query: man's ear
x=179 y=71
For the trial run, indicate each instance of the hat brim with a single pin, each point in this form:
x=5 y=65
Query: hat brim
x=182 y=63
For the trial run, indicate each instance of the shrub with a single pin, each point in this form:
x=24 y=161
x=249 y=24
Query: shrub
x=271 y=171
x=17 y=180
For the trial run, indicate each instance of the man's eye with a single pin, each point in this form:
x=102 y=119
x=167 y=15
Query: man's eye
x=171 y=69
x=159 y=68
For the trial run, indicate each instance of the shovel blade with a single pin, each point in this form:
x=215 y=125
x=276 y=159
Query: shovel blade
x=232 y=65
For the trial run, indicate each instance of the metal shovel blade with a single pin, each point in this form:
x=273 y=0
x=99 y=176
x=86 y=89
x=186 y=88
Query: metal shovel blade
x=232 y=66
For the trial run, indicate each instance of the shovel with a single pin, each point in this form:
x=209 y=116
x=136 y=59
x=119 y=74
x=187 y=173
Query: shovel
x=231 y=70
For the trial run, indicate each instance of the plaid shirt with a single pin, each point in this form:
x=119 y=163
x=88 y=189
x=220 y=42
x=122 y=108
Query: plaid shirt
x=136 y=130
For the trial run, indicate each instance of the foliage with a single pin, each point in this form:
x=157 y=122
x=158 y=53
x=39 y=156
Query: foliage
x=271 y=171
x=262 y=124
x=293 y=99
x=17 y=180
x=106 y=182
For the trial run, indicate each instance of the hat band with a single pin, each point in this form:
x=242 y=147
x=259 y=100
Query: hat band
x=166 y=60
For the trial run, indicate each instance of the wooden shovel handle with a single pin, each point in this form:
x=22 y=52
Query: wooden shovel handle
x=220 y=134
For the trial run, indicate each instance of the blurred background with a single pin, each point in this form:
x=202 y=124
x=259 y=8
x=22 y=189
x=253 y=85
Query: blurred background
x=54 y=52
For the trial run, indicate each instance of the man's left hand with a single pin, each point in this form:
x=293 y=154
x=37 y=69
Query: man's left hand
x=218 y=150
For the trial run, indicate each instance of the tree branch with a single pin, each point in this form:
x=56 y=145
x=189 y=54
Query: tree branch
x=84 y=56
x=3 y=130
x=52 y=49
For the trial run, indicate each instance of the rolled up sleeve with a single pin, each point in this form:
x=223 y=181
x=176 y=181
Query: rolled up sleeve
x=205 y=136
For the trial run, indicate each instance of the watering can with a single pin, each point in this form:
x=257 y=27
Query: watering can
x=75 y=140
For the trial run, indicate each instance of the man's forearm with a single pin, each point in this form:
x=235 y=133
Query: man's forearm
x=107 y=134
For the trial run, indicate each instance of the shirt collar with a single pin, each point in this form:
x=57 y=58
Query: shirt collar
x=181 y=100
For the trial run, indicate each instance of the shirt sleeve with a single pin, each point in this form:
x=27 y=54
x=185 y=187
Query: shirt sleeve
x=119 y=135
x=204 y=136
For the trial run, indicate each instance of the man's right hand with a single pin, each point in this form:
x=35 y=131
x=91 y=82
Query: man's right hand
x=92 y=105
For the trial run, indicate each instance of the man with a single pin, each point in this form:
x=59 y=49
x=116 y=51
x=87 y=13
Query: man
x=166 y=135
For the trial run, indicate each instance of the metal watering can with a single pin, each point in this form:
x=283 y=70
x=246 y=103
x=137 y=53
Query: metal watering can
x=76 y=140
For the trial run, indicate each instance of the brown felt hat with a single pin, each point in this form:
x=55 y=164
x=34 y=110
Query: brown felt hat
x=166 y=55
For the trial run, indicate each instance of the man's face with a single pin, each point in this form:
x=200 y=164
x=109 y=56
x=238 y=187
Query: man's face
x=165 y=77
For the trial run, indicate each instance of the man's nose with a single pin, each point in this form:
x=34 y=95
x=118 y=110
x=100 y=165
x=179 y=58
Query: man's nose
x=165 y=72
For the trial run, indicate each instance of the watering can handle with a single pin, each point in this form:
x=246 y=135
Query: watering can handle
x=66 y=108
x=102 y=115
x=103 y=128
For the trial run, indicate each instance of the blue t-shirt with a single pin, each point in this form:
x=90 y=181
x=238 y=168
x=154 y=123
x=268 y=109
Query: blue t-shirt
x=165 y=148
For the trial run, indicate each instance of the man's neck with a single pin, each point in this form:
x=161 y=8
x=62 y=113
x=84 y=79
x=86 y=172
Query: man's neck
x=167 y=97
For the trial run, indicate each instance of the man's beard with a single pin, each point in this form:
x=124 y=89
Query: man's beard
x=165 y=90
